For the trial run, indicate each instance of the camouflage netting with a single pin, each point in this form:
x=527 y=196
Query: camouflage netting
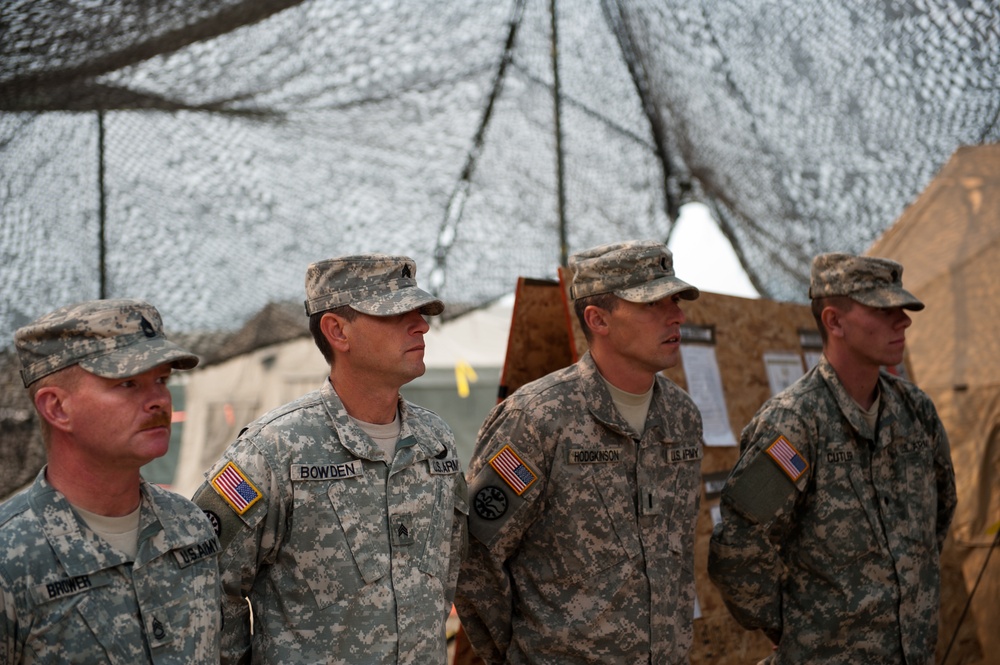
x=219 y=146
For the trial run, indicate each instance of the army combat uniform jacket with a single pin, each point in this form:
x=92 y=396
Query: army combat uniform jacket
x=345 y=558
x=67 y=596
x=583 y=547
x=831 y=532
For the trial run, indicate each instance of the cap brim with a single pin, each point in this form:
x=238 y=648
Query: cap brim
x=138 y=358
x=888 y=298
x=400 y=302
x=659 y=289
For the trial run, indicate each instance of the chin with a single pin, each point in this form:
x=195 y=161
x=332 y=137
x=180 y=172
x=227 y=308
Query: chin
x=158 y=448
x=415 y=372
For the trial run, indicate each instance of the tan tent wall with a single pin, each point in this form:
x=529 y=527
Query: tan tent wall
x=948 y=242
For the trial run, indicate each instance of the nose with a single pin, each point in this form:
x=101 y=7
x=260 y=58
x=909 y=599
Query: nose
x=416 y=323
x=160 y=398
x=675 y=315
x=904 y=320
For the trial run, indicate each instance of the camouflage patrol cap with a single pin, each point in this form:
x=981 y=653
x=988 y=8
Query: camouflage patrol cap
x=114 y=339
x=374 y=284
x=637 y=271
x=868 y=280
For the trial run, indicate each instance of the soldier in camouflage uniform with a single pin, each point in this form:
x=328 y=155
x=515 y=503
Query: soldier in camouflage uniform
x=98 y=565
x=342 y=514
x=585 y=487
x=834 y=517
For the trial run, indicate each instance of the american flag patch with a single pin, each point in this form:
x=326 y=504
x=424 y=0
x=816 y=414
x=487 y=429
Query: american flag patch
x=785 y=456
x=513 y=471
x=235 y=488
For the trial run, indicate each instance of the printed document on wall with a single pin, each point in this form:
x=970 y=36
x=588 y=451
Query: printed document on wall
x=783 y=369
x=704 y=382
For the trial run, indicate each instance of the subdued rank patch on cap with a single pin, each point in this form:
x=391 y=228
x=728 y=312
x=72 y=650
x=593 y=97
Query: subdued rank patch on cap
x=869 y=280
x=114 y=339
x=235 y=488
x=512 y=469
x=374 y=284
x=638 y=271
x=787 y=458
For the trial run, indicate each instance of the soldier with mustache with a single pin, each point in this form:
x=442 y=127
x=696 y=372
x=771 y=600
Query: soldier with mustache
x=99 y=565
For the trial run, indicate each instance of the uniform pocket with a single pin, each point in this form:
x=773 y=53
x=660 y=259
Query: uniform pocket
x=96 y=613
x=166 y=627
x=595 y=532
x=920 y=493
x=841 y=529
x=334 y=540
x=451 y=504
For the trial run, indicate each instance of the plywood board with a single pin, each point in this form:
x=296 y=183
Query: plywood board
x=538 y=342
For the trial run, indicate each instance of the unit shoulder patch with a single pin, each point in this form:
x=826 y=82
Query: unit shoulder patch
x=490 y=503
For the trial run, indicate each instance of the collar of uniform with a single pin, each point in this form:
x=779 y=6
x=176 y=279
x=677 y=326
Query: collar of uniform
x=64 y=531
x=352 y=439
x=355 y=442
x=600 y=403
x=848 y=407
x=425 y=439
x=160 y=533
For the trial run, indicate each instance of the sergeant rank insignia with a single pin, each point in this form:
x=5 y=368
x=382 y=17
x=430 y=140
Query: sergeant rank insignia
x=513 y=470
x=235 y=488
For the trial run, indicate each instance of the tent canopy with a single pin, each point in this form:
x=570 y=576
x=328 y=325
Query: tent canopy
x=200 y=153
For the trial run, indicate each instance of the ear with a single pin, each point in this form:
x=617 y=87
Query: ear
x=50 y=402
x=335 y=329
x=831 y=318
x=596 y=319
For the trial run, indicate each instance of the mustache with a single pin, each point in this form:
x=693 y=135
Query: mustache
x=161 y=419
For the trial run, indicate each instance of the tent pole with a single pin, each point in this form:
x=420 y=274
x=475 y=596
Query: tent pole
x=101 y=208
x=557 y=109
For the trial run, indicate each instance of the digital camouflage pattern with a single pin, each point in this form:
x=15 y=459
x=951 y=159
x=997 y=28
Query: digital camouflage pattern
x=583 y=531
x=333 y=577
x=635 y=270
x=868 y=280
x=114 y=339
x=375 y=284
x=67 y=596
x=841 y=566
